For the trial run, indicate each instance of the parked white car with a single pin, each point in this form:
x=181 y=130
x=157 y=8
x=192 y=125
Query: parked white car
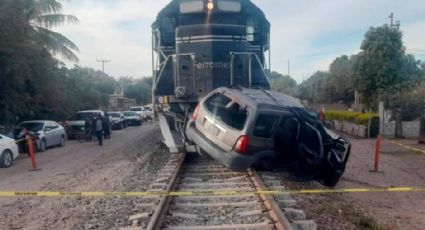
x=8 y=151
x=141 y=111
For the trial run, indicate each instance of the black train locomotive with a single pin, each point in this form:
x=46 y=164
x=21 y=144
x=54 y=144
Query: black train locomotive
x=200 y=45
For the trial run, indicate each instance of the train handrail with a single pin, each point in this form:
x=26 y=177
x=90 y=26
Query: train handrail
x=192 y=55
x=232 y=57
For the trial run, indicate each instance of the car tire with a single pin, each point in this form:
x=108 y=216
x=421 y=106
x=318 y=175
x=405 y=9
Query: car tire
x=43 y=146
x=62 y=141
x=331 y=177
x=121 y=126
x=6 y=159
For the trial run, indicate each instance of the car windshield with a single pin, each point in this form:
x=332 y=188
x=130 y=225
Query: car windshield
x=226 y=110
x=129 y=114
x=82 y=116
x=136 y=109
x=32 y=126
x=117 y=115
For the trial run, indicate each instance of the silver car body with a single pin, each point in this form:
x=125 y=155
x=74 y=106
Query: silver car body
x=143 y=113
x=118 y=119
x=132 y=118
x=77 y=124
x=50 y=132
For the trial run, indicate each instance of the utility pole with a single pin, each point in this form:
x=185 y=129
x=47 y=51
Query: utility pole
x=289 y=67
x=103 y=61
x=392 y=25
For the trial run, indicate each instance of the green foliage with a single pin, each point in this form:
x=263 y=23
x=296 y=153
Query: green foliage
x=341 y=81
x=411 y=103
x=283 y=83
x=383 y=68
x=30 y=82
x=315 y=88
x=42 y=15
x=141 y=90
x=353 y=117
x=356 y=118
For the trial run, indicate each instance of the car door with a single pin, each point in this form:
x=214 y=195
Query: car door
x=311 y=144
x=2 y=144
x=56 y=132
x=49 y=134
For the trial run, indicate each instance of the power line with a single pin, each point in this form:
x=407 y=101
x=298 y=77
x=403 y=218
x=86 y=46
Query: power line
x=416 y=51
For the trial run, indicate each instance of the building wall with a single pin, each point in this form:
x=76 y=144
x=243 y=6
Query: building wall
x=410 y=129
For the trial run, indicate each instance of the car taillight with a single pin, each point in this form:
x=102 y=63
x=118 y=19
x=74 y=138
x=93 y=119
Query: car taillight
x=195 y=112
x=241 y=145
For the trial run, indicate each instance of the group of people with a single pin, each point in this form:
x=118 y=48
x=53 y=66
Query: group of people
x=99 y=127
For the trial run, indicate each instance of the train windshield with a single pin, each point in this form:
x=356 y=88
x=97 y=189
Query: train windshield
x=229 y=6
x=192 y=6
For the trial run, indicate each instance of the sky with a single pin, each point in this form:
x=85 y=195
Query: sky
x=308 y=33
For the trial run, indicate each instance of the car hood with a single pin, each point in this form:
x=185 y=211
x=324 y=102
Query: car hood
x=76 y=123
x=6 y=139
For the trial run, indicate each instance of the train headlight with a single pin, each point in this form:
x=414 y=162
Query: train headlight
x=210 y=5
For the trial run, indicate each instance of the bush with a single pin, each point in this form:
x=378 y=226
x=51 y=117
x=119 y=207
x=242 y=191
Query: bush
x=356 y=118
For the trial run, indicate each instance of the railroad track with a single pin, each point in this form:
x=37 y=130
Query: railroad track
x=247 y=210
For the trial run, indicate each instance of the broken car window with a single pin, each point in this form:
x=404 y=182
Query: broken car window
x=226 y=110
x=265 y=125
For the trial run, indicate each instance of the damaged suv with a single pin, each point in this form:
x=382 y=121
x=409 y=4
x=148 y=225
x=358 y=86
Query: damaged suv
x=241 y=127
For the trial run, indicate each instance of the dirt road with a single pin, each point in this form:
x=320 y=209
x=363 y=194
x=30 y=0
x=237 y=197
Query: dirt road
x=398 y=168
x=127 y=162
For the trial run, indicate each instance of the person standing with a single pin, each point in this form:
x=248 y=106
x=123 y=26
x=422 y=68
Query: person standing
x=99 y=129
x=106 y=127
x=88 y=129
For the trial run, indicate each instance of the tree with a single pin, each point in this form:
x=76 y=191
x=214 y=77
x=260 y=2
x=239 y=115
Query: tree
x=383 y=68
x=315 y=88
x=341 y=80
x=385 y=72
x=42 y=15
x=141 y=90
x=283 y=83
x=28 y=72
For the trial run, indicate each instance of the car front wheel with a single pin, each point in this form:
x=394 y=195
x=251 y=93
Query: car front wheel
x=43 y=145
x=62 y=141
x=6 y=159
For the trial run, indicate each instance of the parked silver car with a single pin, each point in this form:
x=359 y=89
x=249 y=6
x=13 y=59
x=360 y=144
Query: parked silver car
x=132 y=118
x=48 y=133
x=118 y=120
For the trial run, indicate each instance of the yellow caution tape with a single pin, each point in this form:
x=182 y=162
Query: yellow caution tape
x=409 y=147
x=205 y=193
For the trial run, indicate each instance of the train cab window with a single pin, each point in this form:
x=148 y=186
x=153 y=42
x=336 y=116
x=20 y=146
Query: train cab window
x=229 y=6
x=167 y=33
x=251 y=30
x=191 y=6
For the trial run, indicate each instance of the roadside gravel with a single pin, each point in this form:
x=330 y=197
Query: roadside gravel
x=127 y=162
x=398 y=168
